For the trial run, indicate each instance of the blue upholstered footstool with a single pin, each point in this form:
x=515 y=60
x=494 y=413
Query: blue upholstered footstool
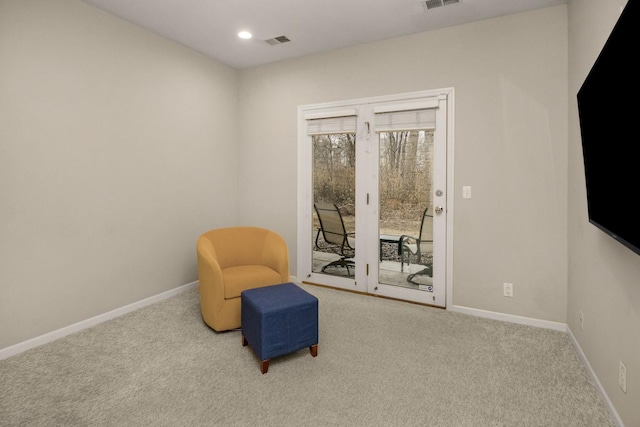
x=277 y=320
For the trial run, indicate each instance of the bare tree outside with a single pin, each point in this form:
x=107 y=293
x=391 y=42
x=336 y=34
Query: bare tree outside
x=406 y=167
x=334 y=169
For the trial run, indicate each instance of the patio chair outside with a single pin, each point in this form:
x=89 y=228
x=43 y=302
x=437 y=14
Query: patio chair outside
x=420 y=246
x=335 y=235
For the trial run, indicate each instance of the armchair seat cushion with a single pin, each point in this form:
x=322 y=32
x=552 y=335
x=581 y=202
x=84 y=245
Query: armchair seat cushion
x=243 y=277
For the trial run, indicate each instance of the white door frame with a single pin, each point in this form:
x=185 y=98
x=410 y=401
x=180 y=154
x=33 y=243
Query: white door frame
x=305 y=190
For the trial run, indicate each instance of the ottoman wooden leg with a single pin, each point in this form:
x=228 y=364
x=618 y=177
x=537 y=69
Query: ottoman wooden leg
x=244 y=341
x=264 y=366
x=314 y=350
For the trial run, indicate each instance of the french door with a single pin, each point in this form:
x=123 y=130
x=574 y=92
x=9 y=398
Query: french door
x=373 y=195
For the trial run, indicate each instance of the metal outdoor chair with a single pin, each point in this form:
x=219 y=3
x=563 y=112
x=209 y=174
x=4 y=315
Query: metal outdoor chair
x=419 y=247
x=335 y=236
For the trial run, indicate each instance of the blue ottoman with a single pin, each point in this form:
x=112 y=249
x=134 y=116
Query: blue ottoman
x=278 y=320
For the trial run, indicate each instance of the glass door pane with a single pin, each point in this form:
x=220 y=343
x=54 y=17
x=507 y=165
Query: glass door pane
x=405 y=227
x=334 y=216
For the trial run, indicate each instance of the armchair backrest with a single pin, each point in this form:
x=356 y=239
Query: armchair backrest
x=235 y=246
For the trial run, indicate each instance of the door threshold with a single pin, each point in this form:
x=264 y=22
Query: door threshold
x=373 y=295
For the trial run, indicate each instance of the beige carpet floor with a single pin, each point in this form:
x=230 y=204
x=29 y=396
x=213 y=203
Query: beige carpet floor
x=380 y=363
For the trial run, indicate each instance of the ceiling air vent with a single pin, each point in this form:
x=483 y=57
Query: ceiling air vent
x=430 y=4
x=278 y=40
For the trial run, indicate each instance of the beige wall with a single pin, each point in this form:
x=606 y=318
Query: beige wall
x=510 y=82
x=604 y=276
x=116 y=151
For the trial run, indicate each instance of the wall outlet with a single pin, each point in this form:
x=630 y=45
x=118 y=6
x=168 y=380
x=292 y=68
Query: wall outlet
x=581 y=321
x=622 y=377
x=466 y=192
x=508 y=289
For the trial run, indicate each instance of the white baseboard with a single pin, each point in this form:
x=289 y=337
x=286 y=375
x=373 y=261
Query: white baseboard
x=594 y=377
x=556 y=326
x=84 y=324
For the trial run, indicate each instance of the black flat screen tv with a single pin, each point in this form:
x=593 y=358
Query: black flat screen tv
x=609 y=117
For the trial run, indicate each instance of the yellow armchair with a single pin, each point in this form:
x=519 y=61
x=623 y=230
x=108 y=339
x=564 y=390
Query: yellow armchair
x=231 y=260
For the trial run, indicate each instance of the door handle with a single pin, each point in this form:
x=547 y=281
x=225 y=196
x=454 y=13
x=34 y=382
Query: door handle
x=439 y=209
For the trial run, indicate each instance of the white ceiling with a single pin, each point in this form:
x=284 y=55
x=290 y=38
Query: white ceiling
x=211 y=26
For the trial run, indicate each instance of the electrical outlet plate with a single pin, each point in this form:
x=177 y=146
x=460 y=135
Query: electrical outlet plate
x=508 y=289
x=622 y=379
x=466 y=192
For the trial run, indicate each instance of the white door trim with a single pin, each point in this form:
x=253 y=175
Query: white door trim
x=305 y=191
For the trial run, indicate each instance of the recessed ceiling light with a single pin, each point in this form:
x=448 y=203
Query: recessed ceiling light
x=244 y=35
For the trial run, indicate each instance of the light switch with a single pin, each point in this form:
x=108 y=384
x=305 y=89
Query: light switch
x=466 y=192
